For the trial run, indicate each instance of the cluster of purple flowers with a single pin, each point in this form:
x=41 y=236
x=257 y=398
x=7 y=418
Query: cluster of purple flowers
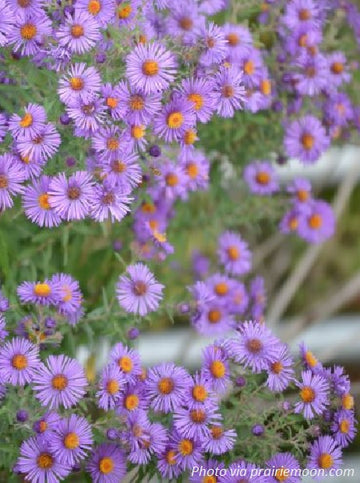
x=165 y=415
x=222 y=299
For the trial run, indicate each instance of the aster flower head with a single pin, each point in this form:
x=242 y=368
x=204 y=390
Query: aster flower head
x=31 y=123
x=108 y=202
x=139 y=292
x=194 y=423
x=39 y=464
x=325 y=454
x=107 y=464
x=234 y=254
x=228 y=85
x=301 y=12
x=171 y=181
x=167 y=464
x=101 y=10
x=338 y=109
x=280 y=370
x=42 y=146
x=338 y=68
x=252 y=66
x=165 y=385
x=41 y=293
x=175 y=118
x=46 y=424
x=11 y=178
x=316 y=222
x=111 y=385
x=71 y=439
x=344 y=427
x=261 y=178
x=124 y=171
x=198 y=393
x=60 y=381
x=199 y=91
x=153 y=444
x=7 y=21
x=79 y=33
x=71 y=198
x=214 y=319
x=184 y=21
x=126 y=11
x=88 y=116
x=300 y=188
x=214 y=44
x=127 y=360
x=312 y=77
x=313 y=394
x=18 y=360
x=137 y=107
x=36 y=203
x=306 y=139
x=310 y=362
x=70 y=298
x=188 y=451
x=28 y=31
x=215 y=368
x=79 y=81
x=238 y=37
x=287 y=468
x=150 y=67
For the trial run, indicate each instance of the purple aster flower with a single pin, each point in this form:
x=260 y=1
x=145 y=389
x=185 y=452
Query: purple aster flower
x=343 y=427
x=7 y=21
x=208 y=468
x=112 y=98
x=79 y=33
x=42 y=146
x=128 y=361
x=216 y=368
x=306 y=139
x=167 y=464
x=338 y=109
x=87 y=116
x=36 y=203
x=18 y=360
x=184 y=21
x=301 y=12
x=214 y=44
x=196 y=167
x=214 y=319
x=79 y=81
x=199 y=91
x=71 y=439
x=70 y=298
x=28 y=6
x=31 y=123
x=71 y=198
x=313 y=394
x=60 y=381
x=153 y=443
x=198 y=393
x=11 y=177
x=126 y=11
x=32 y=168
x=39 y=464
x=137 y=432
x=45 y=426
x=313 y=75
x=109 y=202
x=109 y=141
x=188 y=452
x=250 y=63
x=316 y=222
x=107 y=464
x=165 y=385
x=325 y=454
x=290 y=221
x=175 y=118
x=150 y=67
x=101 y=10
x=42 y=293
x=234 y=254
x=228 y=84
x=246 y=471
x=219 y=440
x=139 y=292
x=256 y=347
x=301 y=189
x=261 y=178
x=111 y=385
x=28 y=32
x=280 y=370
x=137 y=107
x=171 y=181
x=239 y=299
x=339 y=381
x=238 y=37
x=284 y=468
x=194 y=423
x=338 y=68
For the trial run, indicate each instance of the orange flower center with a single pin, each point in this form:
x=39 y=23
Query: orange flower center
x=106 y=465
x=304 y=14
x=347 y=401
x=43 y=426
x=73 y=193
x=217 y=369
x=325 y=461
x=197 y=99
x=228 y=91
x=112 y=144
x=43 y=200
x=216 y=432
x=59 y=382
x=249 y=67
x=277 y=367
x=118 y=166
x=136 y=103
x=262 y=177
x=76 y=83
x=171 y=179
x=310 y=359
x=175 y=120
x=125 y=11
x=131 y=402
x=198 y=416
x=3 y=181
x=302 y=195
x=192 y=170
x=170 y=457
x=44 y=461
x=307 y=140
x=189 y=137
x=125 y=363
x=71 y=441
x=140 y=288
x=221 y=288
x=27 y=120
x=42 y=289
x=112 y=387
x=233 y=39
x=302 y=40
x=337 y=67
x=138 y=132
x=28 y=31
x=166 y=385
x=233 y=253
x=94 y=7
x=265 y=87
x=344 y=426
x=77 y=31
x=23 y=3
x=281 y=474
x=307 y=394
x=150 y=67
x=214 y=316
x=112 y=102
x=186 y=23
x=186 y=447
x=315 y=221
x=254 y=345
x=199 y=393
x=19 y=362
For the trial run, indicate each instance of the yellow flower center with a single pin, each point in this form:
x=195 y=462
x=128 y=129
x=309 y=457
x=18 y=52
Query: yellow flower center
x=131 y=402
x=307 y=394
x=166 y=385
x=106 y=465
x=192 y=170
x=310 y=359
x=302 y=195
x=28 y=31
x=71 y=441
x=325 y=461
x=59 y=382
x=138 y=132
x=197 y=99
x=125 y=363
x=189 y=137
x=112 y=387
x=94 y=7
x=170 y=457
x=347 y=401
x=221 y=288
x=171 y=179
x=337 y=67
x=217 y=369
x=19 y=362
x=265 y=87
x=175 y=120
x=44 y=461
x=42 y=289
x=43 y=200
x=150 y=68
x=77 y=31
x=76 y=83
x=233 y=253
x=199 y=393
x=186 y=447
x=344 y=426
x=307 y=140
x=112 y=102
x=249 y=67
x=262 y=177
x=147 y=207
x=315 y=221
x=27 y=120
x=43 y=426
x=281 y=474
x=124 y=11
x=214 y=316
